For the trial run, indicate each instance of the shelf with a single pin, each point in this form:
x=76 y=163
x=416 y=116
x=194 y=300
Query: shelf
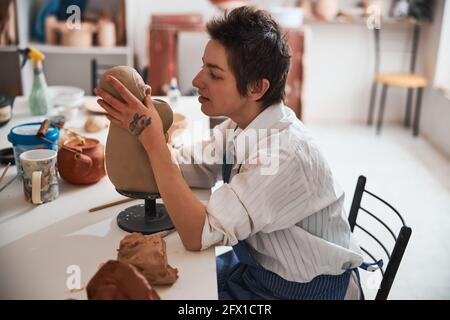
x=71 y=50
x=45 y=48
x=8 y=48
x=384 y=21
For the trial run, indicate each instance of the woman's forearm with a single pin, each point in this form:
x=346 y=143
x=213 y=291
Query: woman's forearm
x=185 y=210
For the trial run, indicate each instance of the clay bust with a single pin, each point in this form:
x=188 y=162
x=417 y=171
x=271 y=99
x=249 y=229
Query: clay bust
x=119 y=281
x=127 y=163
x=148 y=255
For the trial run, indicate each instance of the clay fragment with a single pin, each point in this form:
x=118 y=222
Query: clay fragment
x=116 y=280
x=148 y=254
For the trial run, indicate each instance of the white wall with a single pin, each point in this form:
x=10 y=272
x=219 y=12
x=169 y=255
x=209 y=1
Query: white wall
x=442 y=74
x=339 y=68
x=435 y=119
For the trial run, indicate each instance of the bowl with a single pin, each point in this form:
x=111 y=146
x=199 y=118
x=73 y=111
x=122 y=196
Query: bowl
x=67 y=96
x=178 y=127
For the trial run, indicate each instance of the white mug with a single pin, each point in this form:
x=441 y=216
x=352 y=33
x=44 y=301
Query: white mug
x=40 y=179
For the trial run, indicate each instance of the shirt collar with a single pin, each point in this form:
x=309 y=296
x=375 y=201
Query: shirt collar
x=269 y=118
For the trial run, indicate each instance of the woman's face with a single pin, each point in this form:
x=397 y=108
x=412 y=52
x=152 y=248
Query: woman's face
x=216 y=83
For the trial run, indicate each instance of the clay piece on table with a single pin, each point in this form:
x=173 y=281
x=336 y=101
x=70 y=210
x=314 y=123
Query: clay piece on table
x=127 y=162
x=148 y=254
x=96 y=123
x=116 y=280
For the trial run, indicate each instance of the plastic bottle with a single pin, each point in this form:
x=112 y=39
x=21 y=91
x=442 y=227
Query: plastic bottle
x=39 y=102
x=401 y=9
x=174 y=94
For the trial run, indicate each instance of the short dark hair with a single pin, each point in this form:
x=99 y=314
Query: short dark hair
x=256 y=50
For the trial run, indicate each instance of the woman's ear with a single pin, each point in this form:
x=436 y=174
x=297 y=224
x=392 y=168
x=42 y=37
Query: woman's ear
x=258 y=89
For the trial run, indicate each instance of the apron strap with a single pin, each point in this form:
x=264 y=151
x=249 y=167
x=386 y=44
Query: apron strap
x=371 y=267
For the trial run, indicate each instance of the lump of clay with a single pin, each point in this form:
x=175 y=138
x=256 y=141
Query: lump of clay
x=148 y=255
x=116 y=280
x=96 y=124
x=127 y=163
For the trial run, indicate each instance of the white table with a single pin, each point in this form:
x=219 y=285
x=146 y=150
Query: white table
x=40 y=244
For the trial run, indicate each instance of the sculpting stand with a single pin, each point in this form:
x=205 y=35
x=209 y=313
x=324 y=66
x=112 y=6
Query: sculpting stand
x=147 y=218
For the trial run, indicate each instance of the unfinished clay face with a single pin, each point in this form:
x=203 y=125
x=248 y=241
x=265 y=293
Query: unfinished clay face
x=119 y=281
x=127 y=163
x=148 y=255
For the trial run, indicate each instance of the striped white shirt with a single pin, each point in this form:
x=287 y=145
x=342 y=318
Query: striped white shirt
x=289 y=211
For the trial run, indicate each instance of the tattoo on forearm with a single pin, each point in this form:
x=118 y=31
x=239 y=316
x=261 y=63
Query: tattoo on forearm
x=139 y=123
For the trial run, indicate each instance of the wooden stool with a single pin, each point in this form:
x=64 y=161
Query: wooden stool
x=410 y=81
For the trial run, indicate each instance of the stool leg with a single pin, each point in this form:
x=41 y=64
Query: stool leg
x=417 y=113
x=381 y=111
x=408 y=108
x=373 y=98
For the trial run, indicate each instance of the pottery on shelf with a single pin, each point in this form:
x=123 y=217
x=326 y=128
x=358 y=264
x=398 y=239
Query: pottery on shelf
x=327 y=9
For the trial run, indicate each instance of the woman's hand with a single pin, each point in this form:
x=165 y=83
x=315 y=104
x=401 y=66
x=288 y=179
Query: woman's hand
x=132 y=114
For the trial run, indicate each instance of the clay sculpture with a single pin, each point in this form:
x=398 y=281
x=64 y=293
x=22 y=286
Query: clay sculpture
x=148 y=255
x=116 y=280
x=127 y=164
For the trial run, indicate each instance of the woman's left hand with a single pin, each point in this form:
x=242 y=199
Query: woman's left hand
x=130 y=114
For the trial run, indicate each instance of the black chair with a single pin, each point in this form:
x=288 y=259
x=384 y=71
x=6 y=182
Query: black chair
x=97 y=70
x=401 y=239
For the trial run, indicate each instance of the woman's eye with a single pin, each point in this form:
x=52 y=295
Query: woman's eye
x=213 y=76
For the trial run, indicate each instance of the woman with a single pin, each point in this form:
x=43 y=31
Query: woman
x=280 y=207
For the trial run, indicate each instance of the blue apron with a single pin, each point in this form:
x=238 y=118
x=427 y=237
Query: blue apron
x=241 y=277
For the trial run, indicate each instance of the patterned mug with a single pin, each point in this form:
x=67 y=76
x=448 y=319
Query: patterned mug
x=40 y=179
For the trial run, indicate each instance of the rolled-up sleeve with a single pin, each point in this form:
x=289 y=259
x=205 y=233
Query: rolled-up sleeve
x=255 y=202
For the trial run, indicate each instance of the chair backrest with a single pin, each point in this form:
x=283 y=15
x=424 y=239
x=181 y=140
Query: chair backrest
x=97 y=70
x=401 y=238
x=414 y=46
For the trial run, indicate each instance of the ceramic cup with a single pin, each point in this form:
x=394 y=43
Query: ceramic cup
x=40 y=180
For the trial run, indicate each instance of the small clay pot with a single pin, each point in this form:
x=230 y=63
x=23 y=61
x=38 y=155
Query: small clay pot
x=84 y=163
x=80 y=38
x=106 y=34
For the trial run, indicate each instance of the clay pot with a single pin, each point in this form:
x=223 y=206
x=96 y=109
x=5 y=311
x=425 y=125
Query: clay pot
x=84 y=163
x=80 y=38
x=51 y=30
x=327 y=9
x=106 y=34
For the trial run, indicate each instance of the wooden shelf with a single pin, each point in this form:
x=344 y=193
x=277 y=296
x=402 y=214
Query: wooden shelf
x=384 y=21
x=8 y=48
x=45 y=48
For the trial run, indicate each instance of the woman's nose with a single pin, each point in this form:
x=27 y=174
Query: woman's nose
x=197 y=82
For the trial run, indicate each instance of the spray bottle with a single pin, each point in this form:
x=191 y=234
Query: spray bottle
x=39 y=102
x=174 y=94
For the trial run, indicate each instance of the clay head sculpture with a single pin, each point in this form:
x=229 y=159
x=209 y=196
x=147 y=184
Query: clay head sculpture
x=127 y=164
